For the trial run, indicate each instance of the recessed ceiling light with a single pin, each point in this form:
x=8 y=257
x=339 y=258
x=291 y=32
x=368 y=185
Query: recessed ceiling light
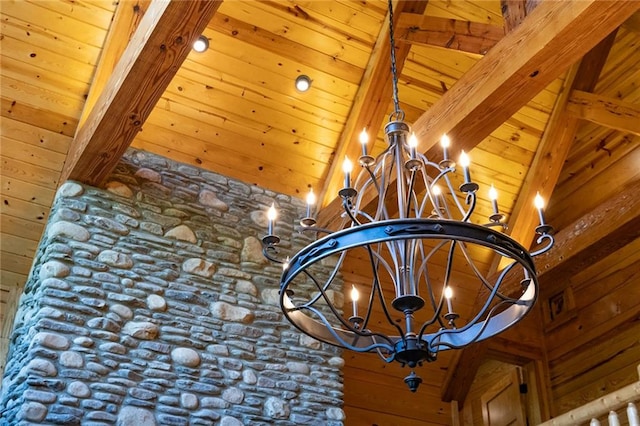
x=201 y=44
x=303 y=83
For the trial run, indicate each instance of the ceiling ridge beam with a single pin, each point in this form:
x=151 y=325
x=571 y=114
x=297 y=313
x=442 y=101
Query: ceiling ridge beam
x=158 y=48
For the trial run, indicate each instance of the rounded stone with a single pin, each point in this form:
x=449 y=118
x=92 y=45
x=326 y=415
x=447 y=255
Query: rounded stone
x=228 y=312
x=259 y=217
x=51 y=340
x=42 y=367
x=33 y=411
x=298 y=367
x=276 y=408
x=123 y=311
x=246 y=287
x=336 y=361
x=119 y=188
x=210 y=199
x=189 y=401
x=68 y=230
x=230 y=421
x=310 y=342
x=71 y=359
x=185 y=356
x=271 y=296
x=233 y=395
x=142 y=330
x=249 y=377
x=199 y=267
x=148 y=174
x=335 y=413
x=85 y=342
x=183 y=233
x=252 y=251
x=54 y=269
x=135 y=416
x=70 y=189
x=79 y=390
x=156 y=303
x=115 y=259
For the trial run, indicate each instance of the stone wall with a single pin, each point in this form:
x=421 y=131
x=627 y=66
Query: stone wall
x=150 y=303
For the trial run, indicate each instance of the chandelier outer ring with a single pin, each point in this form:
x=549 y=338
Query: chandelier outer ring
x=404 y=229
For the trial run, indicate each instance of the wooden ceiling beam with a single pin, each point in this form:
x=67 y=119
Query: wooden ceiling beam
x=605 y=111
x=125 y=21
x=514 y=12
x=517 y=68
x=471 y=37
x=605 y=229
x=158 y=48
x=542 y=176
x=371 y=100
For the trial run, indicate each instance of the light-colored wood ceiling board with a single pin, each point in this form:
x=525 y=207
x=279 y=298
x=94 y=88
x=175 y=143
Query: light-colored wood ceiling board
x=487 y=12
x=66 y=20
x=97 y=148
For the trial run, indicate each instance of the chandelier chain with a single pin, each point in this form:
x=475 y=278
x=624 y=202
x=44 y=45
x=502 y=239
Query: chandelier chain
x=398 y=113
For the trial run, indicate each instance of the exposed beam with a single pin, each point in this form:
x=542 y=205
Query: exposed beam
x=605 y=229
x=517 y=68
x=371 y=101
x=556 y=142
x=472 y=37
x=604 y=111
x=157 y=50
x=513 y=12
x=542 y=176
x=125 y=21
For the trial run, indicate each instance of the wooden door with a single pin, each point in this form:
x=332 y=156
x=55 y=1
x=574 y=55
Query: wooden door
x=502 y=403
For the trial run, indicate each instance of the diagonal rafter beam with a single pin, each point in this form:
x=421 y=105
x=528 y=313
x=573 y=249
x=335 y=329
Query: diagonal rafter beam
x=542 y=176
x=516 y=69
x=158 y=48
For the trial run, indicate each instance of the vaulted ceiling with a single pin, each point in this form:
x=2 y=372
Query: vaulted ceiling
x=545 y=95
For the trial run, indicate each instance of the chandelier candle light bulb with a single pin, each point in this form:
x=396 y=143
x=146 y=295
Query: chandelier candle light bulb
x=354 y=300
x=364 y=139
x=413 y=144
x=271 y=217
x=464 y=163
x=444 y=143
x=448 y=294
x=347 y=168
x=538 y=201
x=311 y=200
x=493 y=195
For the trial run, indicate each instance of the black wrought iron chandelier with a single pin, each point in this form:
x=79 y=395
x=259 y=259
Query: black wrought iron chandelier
x=419 y=241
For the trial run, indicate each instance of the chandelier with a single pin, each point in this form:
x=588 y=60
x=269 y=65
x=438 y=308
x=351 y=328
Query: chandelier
x=420 y=245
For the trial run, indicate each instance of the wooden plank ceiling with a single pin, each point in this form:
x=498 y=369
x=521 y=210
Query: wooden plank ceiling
x=503 y=78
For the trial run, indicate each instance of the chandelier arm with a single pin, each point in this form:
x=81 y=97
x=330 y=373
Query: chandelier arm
x=480 y=276
x=344 y=342
x=347 y=209
x=452 y=191
x=470 y=199
x=412 y=181
x=376 y=287
x=482 y=328
x=550 y=242
x=316 y=229
x=266 y=252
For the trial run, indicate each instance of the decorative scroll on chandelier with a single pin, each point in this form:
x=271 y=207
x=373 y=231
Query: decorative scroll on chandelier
x=418 y=240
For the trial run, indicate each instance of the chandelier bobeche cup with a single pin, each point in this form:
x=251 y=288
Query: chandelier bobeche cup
x=418 y=240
